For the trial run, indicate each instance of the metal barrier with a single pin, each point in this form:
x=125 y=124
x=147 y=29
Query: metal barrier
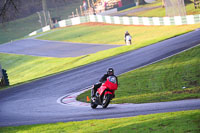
x=146 y=21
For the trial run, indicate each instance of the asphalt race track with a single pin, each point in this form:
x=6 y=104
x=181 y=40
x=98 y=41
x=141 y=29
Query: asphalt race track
x=37 y=102
x=47 y=48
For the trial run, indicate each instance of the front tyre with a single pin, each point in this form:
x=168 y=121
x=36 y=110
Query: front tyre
x=106 y=100
x=93 y=105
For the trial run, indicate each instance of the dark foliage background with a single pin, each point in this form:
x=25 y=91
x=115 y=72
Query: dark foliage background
x=14 y=9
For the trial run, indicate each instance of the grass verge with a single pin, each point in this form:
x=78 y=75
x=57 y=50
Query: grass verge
x=113 y=34
x=22 y=68
x=175 y=78
x=179 y=122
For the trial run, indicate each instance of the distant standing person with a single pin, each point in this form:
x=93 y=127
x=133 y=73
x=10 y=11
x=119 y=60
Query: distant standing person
x=119 y=3
x=127 y=38
x=84 y=5
x=105 y=5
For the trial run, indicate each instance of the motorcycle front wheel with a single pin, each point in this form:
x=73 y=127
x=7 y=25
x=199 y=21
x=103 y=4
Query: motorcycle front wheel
x=106 y=100
x=93 y=105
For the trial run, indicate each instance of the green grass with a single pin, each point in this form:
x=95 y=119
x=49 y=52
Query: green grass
x=160 y=12
x=154 y=4
x=21 y=27
x=157 y=12
x=178 y=122
x=18 y=29
x=22 y=68
x=113 y=34
x=162 y=81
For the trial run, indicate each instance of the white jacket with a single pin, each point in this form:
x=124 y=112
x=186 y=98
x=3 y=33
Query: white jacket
x=128 y=38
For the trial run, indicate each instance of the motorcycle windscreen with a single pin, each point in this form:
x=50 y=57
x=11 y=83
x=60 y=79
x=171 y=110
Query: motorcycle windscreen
x=111 y=83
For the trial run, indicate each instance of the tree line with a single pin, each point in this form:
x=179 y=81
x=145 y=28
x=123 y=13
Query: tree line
x=14 y=9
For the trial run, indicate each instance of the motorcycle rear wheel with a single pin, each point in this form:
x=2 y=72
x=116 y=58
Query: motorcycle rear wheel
x=106 y=100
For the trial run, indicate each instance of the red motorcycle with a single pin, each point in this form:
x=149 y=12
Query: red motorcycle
x=105 y=93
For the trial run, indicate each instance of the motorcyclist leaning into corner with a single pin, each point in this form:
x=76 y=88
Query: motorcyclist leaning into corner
x=126 y=34
x=110 y=72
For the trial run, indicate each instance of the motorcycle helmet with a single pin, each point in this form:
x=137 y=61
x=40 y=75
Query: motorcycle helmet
x=110 y=71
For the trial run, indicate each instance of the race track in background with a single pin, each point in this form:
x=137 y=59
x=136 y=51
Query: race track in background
x=36 y=102
x=47 y=48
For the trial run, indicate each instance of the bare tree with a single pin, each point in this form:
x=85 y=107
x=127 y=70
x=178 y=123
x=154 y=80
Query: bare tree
x=5 y=7
x=14 y=9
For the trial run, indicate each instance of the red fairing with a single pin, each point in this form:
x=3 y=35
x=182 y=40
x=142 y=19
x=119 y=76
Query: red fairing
x=102 y=89
x=108 y=85
x=108 y=92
